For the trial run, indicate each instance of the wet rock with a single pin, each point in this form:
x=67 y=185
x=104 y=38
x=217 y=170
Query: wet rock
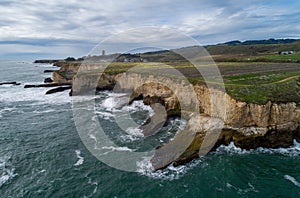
x=46 y=85
x=249 y=126
x=9 y=83
x=156 y=122
x=46 y=61
x=49 y=70
x=48 y=80
x=58 y=89
x=189 y=143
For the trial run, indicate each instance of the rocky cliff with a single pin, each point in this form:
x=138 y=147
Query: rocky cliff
x=219 y=119
x=66 y=72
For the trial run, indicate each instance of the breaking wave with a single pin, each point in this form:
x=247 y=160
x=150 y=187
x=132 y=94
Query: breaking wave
x=6 y=171
x=292 y=179
x=79 y=157
x=171 y=172
x=293 y=150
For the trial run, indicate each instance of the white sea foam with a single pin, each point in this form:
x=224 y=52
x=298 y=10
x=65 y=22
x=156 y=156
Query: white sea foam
x=6 y=171
x=169 y=173
x=114 y=107
x=293 y=150
x=36 y=95
x=105 y=115
x=133 y=134
x=114 y=101
x=80 y=158
x=94 y=184
x=242 y=191
x=113 y=148
x=48 y=111
x=5 y=110
x=138 y=105
x=231 y=148
x=292 y=179
x=117 y=102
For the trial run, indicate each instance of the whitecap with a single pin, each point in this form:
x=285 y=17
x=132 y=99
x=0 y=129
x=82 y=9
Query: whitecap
x=45 y=111
x=105 y=115
x=36 y=95
x=5 y=110
x=292 y=179
x=136 y=132
x=80 y=158
x=6 y=171
x=293 y=150
x=144 y=167
x=138 y=106
x=231 y=148
x=114 y=101
x=133 y=134
x=113 y=148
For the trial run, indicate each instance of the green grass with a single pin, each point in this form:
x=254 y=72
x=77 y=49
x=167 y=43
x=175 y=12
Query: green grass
x=277 y=57
x=261 y=94
x=259 y=88
x=259 y=79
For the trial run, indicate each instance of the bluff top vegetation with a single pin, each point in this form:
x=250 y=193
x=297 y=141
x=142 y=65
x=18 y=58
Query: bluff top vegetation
x=252 y=71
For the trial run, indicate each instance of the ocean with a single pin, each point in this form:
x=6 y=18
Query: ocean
x=42 y=154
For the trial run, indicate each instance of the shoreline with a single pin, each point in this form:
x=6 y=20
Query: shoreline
x=248 y=125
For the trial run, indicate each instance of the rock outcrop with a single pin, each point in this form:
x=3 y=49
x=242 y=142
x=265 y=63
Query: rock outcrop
x=46 y=85
x=46 y=61
x=247 y=125
x=48 y=80
x=9 y=83
x=66 y=72
x=218 y=120
x=58 y=89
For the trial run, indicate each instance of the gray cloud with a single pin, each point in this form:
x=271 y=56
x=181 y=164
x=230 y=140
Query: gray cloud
x=46 y=26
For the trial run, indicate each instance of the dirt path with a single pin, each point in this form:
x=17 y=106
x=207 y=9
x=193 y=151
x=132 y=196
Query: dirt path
x=249 y=85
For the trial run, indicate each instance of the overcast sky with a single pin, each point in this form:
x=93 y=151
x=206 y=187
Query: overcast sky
x=58 y=28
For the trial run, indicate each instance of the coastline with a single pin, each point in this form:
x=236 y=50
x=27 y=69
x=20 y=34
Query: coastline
x=247 y=125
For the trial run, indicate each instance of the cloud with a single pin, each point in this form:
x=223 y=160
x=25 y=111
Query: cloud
x=47 y=27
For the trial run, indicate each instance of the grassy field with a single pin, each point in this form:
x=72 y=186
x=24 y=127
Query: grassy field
x=278 y=57
x=260 y=94
x=249 y=82
x=254 y=82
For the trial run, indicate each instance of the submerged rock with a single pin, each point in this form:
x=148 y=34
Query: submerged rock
x=58 y=89
x=46 y=85
x=9 y=83
x=48 y=80
x=49 y=70
x=46 y=61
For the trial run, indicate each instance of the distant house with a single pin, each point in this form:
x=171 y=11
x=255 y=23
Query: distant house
x=286 y=52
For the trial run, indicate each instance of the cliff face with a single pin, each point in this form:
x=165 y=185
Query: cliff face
x=247 y=125
x=66 y=72
x=174 y=94
x=247 y=118
x=250 y=118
